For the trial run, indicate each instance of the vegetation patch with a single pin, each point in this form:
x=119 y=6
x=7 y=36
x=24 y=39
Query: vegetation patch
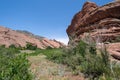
x=30 y=46
x=86 y=59
x=13 y=66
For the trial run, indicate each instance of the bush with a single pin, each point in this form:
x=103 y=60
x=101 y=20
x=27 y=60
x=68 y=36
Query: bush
x=84 y=58
x=117 y=39
x=12 y=66
x=2 y=46
x=30 y=46
x=53 y=54
x=49 y=47
x=12 y=46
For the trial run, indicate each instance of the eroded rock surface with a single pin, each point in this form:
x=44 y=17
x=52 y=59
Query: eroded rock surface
x=102 y=24
x=11 y=37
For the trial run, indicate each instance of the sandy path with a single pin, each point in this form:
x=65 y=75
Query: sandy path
x=44 y=69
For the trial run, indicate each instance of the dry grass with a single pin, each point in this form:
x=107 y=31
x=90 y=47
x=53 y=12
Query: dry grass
x=44 y=69
x=27 y=51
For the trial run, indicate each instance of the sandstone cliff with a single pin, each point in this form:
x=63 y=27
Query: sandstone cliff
x=20 y=38
x=101 y=24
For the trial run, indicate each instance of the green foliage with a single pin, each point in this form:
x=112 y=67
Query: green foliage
x=117 y=39
x=93 y=65
x=49 y=47
x=12 y=46
x=86 y=59
x=54 y=54
x=2 y=46
x=13 y=66
x=81 y=49
x=30 y=46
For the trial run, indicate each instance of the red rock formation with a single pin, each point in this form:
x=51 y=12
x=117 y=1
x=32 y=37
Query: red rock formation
x=79 y=17
x=9 y=37
x=101 y=23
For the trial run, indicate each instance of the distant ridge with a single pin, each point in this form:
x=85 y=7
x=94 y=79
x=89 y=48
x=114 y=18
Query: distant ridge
x=21 y=38
x=30 y=34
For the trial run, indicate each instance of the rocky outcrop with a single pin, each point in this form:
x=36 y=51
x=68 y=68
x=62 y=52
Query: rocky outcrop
x=102 y=24
x=18 y=38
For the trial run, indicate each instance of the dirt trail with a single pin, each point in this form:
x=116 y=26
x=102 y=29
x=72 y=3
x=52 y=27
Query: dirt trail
x=44 y=69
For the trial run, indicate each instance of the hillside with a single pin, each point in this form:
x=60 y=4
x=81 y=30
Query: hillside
x=93 y=51
x=21 y=38
x=30 y=34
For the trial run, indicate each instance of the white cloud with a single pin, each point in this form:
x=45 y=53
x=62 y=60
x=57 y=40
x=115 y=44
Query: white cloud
x=63 y=40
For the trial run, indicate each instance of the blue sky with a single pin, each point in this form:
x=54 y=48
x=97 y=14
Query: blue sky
x=48 y=18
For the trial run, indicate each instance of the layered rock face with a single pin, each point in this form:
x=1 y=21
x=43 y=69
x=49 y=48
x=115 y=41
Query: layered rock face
x=102 y=24
x=11 y=37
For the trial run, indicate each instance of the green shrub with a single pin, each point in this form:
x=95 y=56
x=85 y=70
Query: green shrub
x=30 y=46
x=54 y=54
x=49 y=47
x=86 y=59
x=2 y=46
x=12 y=66
x=12 y=46
x=15 y=47
x=117 y=39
